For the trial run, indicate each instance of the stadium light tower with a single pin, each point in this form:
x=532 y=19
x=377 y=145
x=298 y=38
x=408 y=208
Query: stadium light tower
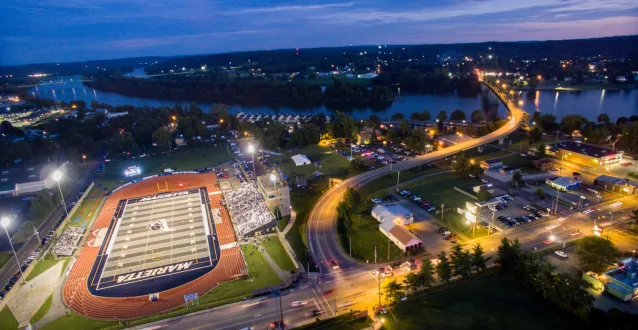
x=57 y=176
x=5 y=222
x=251 y=149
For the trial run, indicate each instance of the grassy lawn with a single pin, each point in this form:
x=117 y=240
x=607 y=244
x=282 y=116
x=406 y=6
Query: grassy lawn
x=462 y=305
x=365 y=236
x=43 y=265
x=439 y=189
x=7 y=320
x=76 y=321
x=302 y=202
x=260 y=275
x=181 y=160
x=377 y=187
x=341 y=322
x=43 y=310
x=5 y=257
x=276 y=251
x=283 y=222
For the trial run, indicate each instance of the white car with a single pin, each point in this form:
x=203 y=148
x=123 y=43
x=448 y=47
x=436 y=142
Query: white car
x=561 y=254
x=298 y=303
x=376 y=201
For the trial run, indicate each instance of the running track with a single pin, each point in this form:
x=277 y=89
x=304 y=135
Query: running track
x=75 y=292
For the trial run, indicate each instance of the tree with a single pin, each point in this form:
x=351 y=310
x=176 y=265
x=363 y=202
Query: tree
x=535 y=135
x=426 y=273
x=596 y=253
x=397 y=116
x=375 y=120
x=539 y=192
x=417 y=139
x=442 y=116
x=458 y=115
x=411 y=281
x=393 y=290
x=603 y=118
x=161 y=137
x=478 y=259
x=461 y=261
x=477 y=116
x=517 y=178
x=508 y=254
x=425 y=115
x=443 y=269
x=571 y=123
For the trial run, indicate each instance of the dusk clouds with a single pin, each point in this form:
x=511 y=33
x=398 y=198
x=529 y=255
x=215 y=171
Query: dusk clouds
x=71 y=30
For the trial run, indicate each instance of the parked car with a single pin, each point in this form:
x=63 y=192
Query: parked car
x=561 y=254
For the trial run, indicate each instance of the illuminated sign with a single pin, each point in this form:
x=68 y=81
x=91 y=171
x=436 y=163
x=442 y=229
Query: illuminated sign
x=598 y=230
x=470 y=217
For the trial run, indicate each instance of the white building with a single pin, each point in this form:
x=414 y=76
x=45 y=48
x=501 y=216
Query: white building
x=400 y=236
x=393 y=218
x=393 y=213
x=28 y=179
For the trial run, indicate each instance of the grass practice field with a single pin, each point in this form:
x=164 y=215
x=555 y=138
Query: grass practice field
x=365 y=235
x=276 y=251
x=490 y=301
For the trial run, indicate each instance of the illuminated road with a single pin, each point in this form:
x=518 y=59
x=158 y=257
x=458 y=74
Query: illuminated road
x=322 y=219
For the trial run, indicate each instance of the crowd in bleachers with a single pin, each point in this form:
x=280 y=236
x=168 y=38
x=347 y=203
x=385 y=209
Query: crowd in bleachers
x=68 y=241
x=247 y=208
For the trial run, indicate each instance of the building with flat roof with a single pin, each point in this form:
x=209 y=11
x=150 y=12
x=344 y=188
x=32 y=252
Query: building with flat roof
x=622 y=281
x=563 y=183
x=276 y=194
x=584 y=154
x=617 y=185
x=393 y=213
x=491 y=164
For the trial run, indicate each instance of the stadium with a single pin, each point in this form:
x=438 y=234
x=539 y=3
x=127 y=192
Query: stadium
x=154 y=241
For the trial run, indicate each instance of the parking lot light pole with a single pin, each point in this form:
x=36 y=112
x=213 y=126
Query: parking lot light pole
x=251 y=149
x=57 y=176
x=5 y=222
x=398 y=174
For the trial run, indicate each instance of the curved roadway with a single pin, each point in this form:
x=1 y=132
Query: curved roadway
x=322 y=235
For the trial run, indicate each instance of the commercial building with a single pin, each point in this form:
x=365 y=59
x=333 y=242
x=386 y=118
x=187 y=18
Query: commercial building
x=584 y=154
x=620 y=282
x=400 y=236
x=563 y=183
x=393 y=218
x=617 y=185
x=366 y=134
x=28 y=179
x=393 y=213
x=491 y=164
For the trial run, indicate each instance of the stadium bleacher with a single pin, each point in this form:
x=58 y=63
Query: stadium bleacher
x=248 y=208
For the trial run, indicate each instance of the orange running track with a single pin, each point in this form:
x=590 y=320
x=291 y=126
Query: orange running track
x=75 y=292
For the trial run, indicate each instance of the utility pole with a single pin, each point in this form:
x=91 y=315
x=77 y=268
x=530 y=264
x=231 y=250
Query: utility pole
x=398 y=174
x=388 y=249
x=557 y=196
x=281 y=314
x=492 y=226
x=375 y=254
x=350 y=239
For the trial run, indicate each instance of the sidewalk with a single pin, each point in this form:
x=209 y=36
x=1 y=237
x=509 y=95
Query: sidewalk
x=293 y=216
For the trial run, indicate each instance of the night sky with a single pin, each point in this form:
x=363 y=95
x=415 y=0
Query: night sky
x=74 y=30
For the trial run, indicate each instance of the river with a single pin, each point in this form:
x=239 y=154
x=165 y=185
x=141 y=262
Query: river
x=589 y=103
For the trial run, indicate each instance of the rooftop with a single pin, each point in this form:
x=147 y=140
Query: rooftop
x=564 y=181
x=25 y=174
x=403 y=235
x=492 y=161
x=582 y=148
x=626 y=272
x=616 y=181
x=389 y=212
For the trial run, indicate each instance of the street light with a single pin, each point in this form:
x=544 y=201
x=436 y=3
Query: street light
x=251 y=149
x=5 y=222
x=57 y=176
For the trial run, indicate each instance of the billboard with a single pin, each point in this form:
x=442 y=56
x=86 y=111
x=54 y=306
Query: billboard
x=471 y=207
x=470 y=217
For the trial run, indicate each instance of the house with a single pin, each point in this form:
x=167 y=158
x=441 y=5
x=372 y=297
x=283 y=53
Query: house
x=366 y=134
x=400 y=236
